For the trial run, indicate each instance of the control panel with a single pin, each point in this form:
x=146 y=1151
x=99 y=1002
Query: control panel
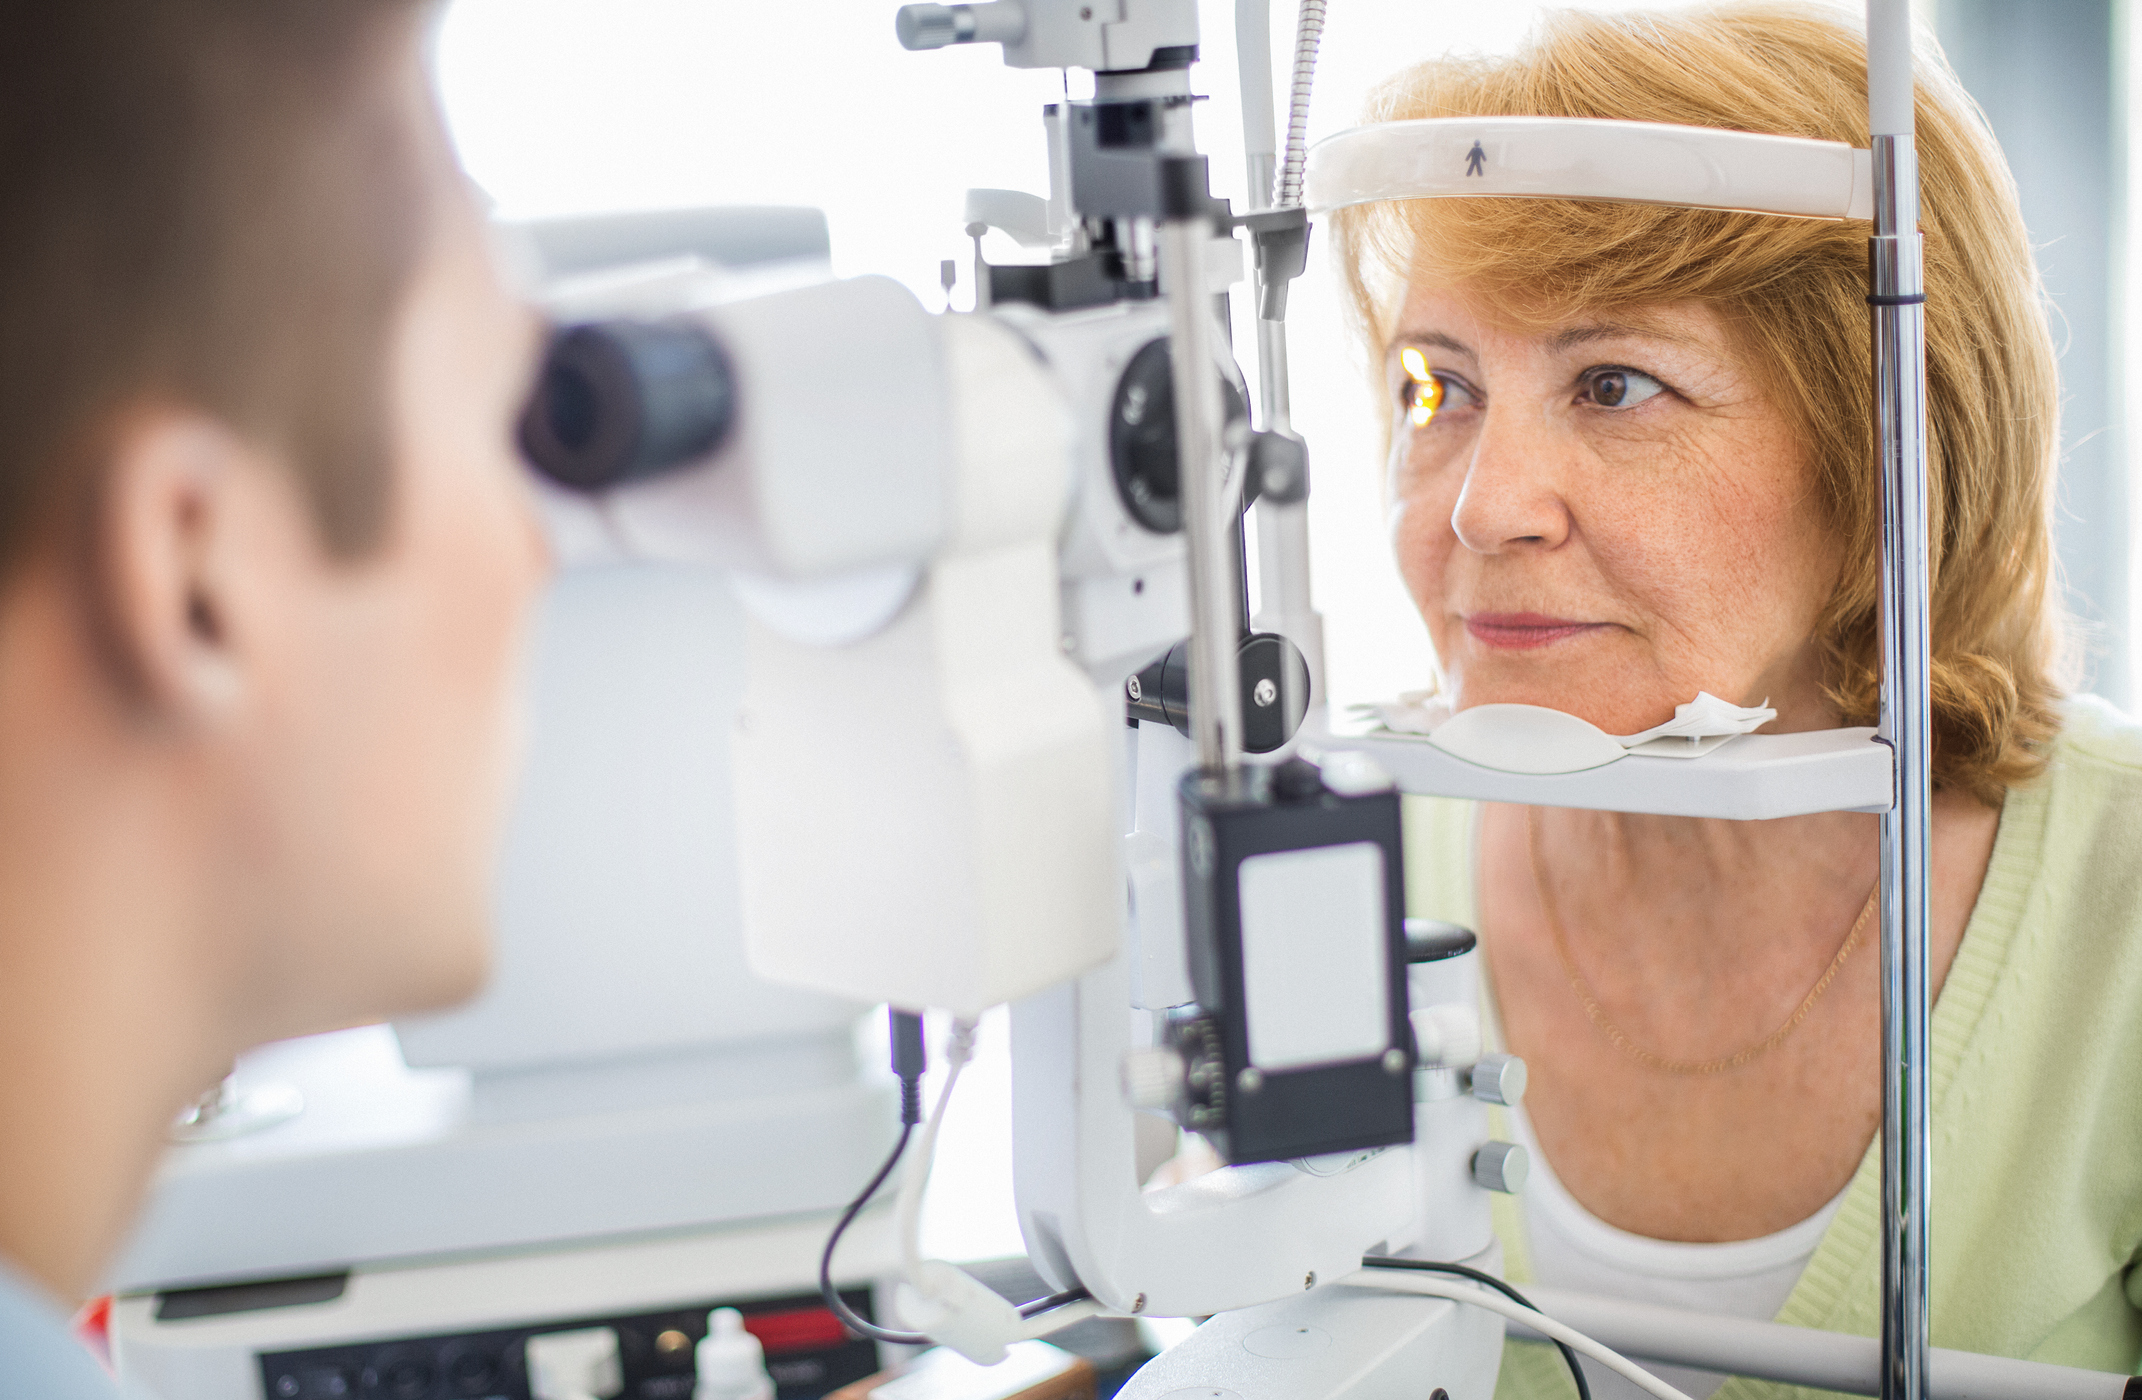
x=808 y=1352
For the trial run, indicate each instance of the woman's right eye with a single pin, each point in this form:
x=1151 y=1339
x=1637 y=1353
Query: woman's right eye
x=1423 y=393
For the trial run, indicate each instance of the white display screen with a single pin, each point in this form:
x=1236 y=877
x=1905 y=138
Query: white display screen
x=1313 y=967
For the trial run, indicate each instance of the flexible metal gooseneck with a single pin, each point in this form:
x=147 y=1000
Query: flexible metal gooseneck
x=1896 y=267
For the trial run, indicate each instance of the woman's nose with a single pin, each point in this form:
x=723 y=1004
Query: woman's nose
x=1510 y=500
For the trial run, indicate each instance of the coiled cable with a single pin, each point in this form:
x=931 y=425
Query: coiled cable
x=1308 y=34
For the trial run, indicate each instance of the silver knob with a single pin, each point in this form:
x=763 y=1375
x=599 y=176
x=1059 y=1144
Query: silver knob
x=1152 y=1079
x=936 y=26
x=1502 y=1166
x=929 y=26
x=1499 y=1079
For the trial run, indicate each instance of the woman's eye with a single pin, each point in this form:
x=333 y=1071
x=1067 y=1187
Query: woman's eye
x=1423 y=393
x=1620 y=388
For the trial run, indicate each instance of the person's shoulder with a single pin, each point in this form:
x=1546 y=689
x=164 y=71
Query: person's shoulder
x=2093 y=773
x=2097 y=733
x=2079 y=826
x=39 y=1357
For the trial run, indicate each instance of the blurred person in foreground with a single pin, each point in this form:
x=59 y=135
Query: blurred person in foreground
x=265 y=563
x=1632 y=458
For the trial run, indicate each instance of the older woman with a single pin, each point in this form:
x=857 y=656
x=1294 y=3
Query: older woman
x=1630 y=460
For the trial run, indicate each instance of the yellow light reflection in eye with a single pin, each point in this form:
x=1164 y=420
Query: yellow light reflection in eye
x=1427 y=389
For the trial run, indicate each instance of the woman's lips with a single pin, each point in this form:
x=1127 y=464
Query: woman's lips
x=1524 y=631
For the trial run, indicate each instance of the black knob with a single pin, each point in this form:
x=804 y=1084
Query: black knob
x=621 y=400
x=1279 y=467
x=1275 y=690
x=1297 y=780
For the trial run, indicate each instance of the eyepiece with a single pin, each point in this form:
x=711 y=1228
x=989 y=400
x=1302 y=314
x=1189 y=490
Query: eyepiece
x=621 y=400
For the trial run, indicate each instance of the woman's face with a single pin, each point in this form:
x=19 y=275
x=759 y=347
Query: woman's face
x=1604 y=517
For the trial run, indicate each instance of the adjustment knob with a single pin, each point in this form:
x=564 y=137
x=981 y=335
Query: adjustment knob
x=1152 y=1079
x=938 y=26
x=1279 y=464
x=1446 y=1035
x=1502 y=1166
x=926 y=26
x=1499 y=1079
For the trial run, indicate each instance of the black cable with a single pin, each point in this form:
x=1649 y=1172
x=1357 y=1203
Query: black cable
x=868 y=1330
x=908 y=1064
x=1429 y=1266
x=1053 y=1301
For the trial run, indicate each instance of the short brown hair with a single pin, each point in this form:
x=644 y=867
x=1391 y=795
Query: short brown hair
x=1793 y=290
x=207 y=202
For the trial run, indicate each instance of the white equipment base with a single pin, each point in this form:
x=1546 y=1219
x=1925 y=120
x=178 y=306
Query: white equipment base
x=1333 y=1343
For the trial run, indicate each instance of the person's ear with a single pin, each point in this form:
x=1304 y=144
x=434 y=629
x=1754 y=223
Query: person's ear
x=168 y=522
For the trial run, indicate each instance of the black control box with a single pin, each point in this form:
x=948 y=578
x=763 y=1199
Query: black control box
x=1295 y=901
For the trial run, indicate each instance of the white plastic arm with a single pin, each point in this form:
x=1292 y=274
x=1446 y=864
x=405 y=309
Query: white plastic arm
x=1584 y=158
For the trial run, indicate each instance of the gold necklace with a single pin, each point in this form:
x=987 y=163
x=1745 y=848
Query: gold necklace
x=1614 y=1034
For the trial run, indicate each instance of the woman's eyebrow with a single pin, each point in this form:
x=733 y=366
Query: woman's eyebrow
x=1613 y=330
x=1435 y=338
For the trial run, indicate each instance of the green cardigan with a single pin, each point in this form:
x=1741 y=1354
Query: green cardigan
x=2037 y=1085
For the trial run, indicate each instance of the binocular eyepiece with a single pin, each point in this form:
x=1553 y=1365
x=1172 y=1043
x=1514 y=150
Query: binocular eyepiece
x=620 y=401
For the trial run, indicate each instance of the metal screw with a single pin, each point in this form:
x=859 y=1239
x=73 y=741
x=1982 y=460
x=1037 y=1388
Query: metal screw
x=1250 y=1080
x=1394 y=1061
x=1265 y=693
x=1308 y=1282
x=1137 y=691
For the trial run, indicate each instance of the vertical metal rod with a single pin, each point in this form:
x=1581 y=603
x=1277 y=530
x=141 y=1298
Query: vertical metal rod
x=1215 y=587
x=1283 y=530
x=1896 y=265
x=1253 y=67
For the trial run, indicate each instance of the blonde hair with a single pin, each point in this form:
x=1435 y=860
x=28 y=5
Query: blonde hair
x=1793 y=293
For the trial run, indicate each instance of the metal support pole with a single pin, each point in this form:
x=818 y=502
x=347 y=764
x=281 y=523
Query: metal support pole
x=1215 y=585
x=1282 y=529
x=1896 y=266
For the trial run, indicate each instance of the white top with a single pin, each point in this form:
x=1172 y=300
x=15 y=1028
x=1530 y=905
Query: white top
x=1574 y=1249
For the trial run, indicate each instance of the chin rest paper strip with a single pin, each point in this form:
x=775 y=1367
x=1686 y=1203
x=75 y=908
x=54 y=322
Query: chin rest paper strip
x=1584 y=158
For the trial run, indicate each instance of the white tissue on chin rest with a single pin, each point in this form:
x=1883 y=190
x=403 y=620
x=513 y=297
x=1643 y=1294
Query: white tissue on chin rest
x=1706 y=717
x=1419 y=712
x=1535 y=739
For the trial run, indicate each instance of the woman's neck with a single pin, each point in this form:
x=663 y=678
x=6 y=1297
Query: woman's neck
x=1660 y=914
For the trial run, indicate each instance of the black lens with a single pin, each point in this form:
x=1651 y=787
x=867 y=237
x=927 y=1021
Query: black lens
x=570 y=402
x=621 y=400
